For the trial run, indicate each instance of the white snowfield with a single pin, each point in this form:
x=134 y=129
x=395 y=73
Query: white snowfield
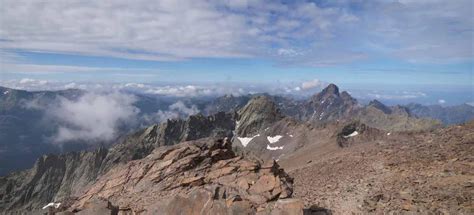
x=274 y=148
x=355 y=133
x=52 y=204
x=274 y=139
x=246 y=140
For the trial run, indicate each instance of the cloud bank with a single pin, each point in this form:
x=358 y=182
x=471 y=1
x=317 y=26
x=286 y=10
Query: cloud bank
x=310 y=33
x=93 y=117
x=175 y=111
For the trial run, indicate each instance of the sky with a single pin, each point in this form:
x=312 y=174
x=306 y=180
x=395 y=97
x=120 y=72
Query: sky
x=376 y=49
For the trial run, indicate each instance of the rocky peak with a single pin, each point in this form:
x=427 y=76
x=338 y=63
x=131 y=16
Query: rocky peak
x=331 y=89
x=258 y=114
x=380 y=106
x=329 y=105
x=401 y=110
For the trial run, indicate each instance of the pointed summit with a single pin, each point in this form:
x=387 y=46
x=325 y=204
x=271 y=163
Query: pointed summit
x=331 y=89
x=329 y=104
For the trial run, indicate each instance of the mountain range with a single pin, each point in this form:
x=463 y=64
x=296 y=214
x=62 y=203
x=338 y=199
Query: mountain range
x=249 y=154
x=26 y=131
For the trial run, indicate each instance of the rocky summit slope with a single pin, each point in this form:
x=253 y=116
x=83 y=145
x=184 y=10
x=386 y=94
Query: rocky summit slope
x=197 y=177
x=402 y=173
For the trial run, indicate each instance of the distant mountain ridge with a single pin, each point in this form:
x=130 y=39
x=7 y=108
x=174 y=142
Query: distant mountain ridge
x=22 y=136
x=448 y=115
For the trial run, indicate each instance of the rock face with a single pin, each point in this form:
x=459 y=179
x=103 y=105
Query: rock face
x=196 y=177
x=259 y=113
x=56 y=177
x=171 y=132
x=53 y=176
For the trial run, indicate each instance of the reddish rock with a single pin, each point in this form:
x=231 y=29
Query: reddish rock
x=197 y=177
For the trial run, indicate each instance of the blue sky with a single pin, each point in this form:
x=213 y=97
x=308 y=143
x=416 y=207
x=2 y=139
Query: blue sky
x=360 y=45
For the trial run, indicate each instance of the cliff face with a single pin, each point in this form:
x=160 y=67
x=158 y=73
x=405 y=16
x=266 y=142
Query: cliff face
x=56 y=177
x=53 y=176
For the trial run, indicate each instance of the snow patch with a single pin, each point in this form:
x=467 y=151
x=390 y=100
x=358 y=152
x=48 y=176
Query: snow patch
x=246 y=140
x=355 y=133
x=274 y=139
x=388 y=134
x=291 y=135
x=52 y=204
x=274 y=148
x=5 y=93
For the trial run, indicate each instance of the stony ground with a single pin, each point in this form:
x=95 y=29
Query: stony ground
x=422 y=173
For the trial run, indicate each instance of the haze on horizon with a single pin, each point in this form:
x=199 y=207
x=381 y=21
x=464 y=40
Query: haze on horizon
x=391 y=49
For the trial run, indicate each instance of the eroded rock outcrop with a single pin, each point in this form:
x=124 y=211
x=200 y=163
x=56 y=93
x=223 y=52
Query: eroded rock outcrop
x=196 y=177
x=357 y=132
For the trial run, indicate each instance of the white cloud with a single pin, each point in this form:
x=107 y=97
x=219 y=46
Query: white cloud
x=441 y=101
x=172 y=90
x=300 y=32
x=92 y=117
x=311 y=84
x=288 y=52
x=26 y=83
x=19 y=67
x=176 y=110
x=395 y=95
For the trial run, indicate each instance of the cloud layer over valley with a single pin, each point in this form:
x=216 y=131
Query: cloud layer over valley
x=93 y=117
